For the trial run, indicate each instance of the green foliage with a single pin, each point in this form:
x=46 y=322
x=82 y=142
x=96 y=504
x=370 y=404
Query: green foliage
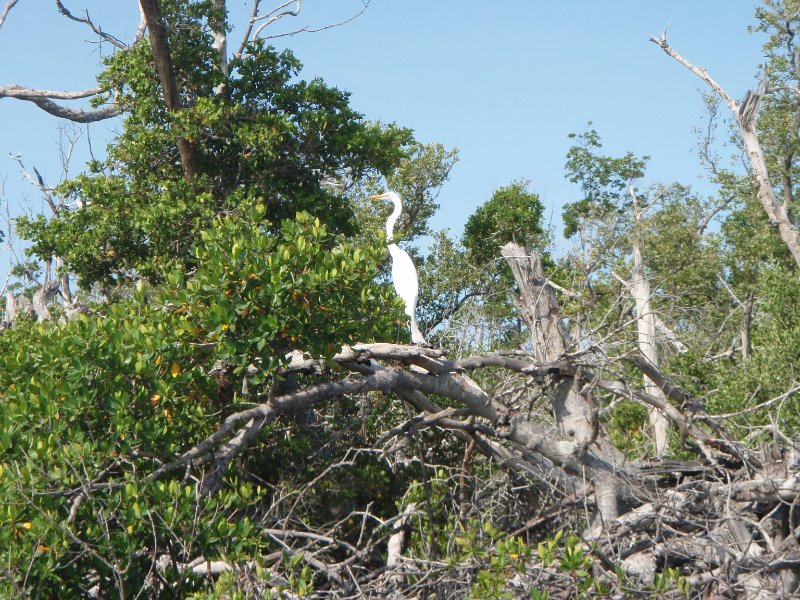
x=447 y=279
x=235 y=270
x=679 y=257
x=418 y=179
x=567 y=553
x=106 y=399
x=508 y=556
x=603 y=180
x=279 y=289
x=512 y=214
x=778 y=115
x=270 y=138
x=739 y=385
x=668 y=580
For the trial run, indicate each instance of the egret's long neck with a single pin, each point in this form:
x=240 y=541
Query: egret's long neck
x=393 y=219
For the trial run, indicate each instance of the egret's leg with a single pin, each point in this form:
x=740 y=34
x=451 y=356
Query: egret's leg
x=416 y=335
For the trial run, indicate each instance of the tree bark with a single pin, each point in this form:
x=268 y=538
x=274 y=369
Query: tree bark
x=574 y=413
x=747 y=320
x=157 y=32
x=43 y=295
x=11 y=307
x=646 y=333
x=44 y=100
x=9 y=5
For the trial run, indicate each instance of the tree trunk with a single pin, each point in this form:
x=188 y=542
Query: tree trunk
x=776 y=213
x=11 y=307
x=747 y=319
x=166 y=74
x=646 y=330
x=574 y=413
x=43 y=295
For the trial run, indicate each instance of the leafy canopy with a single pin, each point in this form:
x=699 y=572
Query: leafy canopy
x=266 y=137
x=109 y=398
x=512 y=214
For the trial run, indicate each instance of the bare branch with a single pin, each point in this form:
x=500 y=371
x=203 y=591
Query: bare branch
x=113 y=40
x=250 y=23
x=43 y=99
x=37 y=181
x=9 y=5
x=713 y=213
x=568 y=455
x=25 y=93
x=699 y=71
x=280 y=12
x=745 y=116
x=398 y=539
x=277 y=14
x=324 y=27
x=761 y=406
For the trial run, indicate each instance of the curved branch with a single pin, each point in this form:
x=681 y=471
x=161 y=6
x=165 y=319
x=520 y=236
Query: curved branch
x=318 y=29
x=240 y=429
x=25 y=93
x=274 y=15
x=278 y=13
x=246 y=36
x=44 y=100
x=713 y=213
x=76 y=115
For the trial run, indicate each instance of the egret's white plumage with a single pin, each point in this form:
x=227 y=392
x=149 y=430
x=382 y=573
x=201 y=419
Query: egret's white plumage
x=404 y=273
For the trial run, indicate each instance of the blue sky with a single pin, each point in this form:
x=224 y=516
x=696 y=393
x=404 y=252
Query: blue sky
x=503 y=81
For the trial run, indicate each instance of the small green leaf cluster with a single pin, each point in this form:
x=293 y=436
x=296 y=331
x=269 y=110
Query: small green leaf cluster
x=507 y=557
x=669 y=580
x=567 y=552
x=254 y=291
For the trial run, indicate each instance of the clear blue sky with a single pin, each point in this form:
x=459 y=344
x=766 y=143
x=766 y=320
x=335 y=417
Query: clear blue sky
x=505 y=82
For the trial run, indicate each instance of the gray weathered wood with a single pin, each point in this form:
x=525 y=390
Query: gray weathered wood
x=574 y=413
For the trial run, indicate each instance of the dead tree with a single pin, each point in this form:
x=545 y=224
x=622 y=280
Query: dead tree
x=573 y=409
x=646 y=330
x=721 y=521
x=745 y=114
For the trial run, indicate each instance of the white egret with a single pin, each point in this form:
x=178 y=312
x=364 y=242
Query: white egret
x=404 y=273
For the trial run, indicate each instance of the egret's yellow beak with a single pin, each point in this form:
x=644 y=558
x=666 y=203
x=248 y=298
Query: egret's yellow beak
x=376 y=197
